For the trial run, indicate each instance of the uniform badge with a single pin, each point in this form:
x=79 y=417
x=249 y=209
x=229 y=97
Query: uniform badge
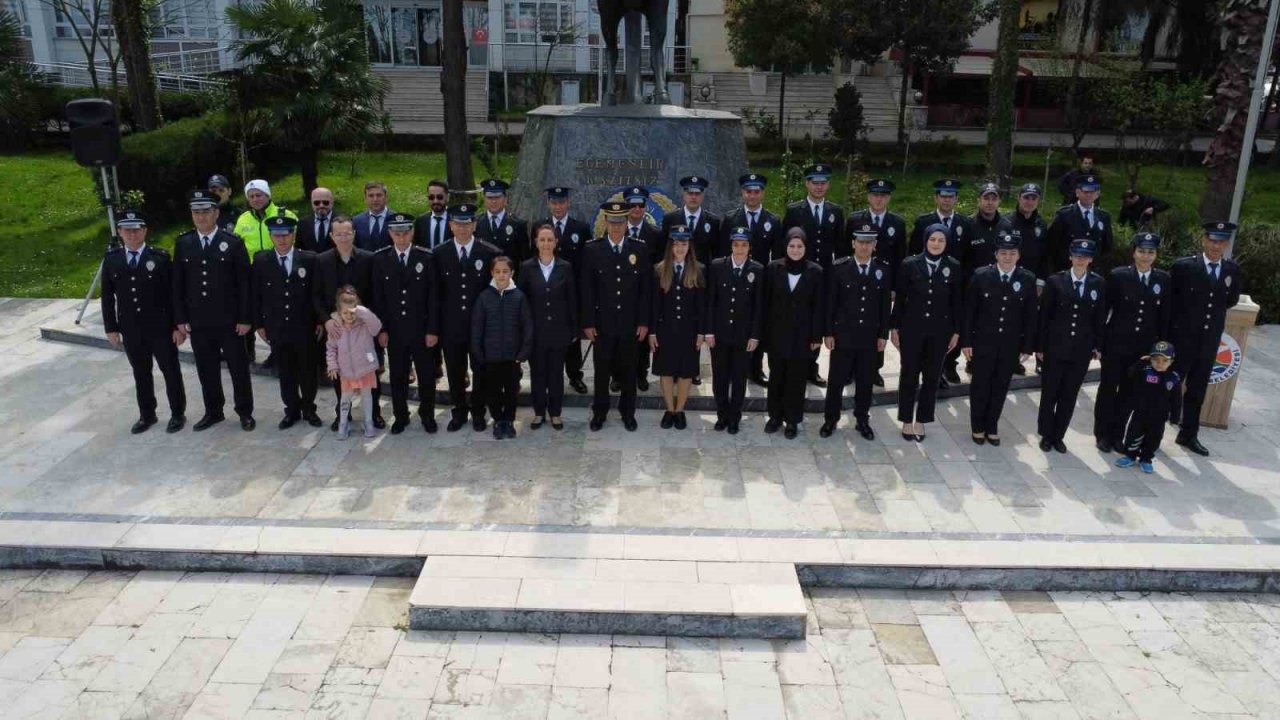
x=1227 y=281
x=222 y=246
x=1038 y=232
x=890 y=232
x=574 y=237
x=1168 y=385
x=959 y=231
x=879 y=274
x=151 y=265
x=751 y=277
x=418 y=268
x=831 y=218
x=302 y=272
x=768 y=226
x=946 y=272
x=479 y=264
x=1093 y=294
x=631 y=258
x=1156 y=288
x=1017 y=285
x=510 y=230
x=1153 y=379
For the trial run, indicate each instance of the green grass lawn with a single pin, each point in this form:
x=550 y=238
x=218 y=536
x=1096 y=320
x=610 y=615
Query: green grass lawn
x=54 y=230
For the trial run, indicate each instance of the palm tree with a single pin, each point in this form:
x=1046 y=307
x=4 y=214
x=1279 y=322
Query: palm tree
x=306 y=73
x=20 y=85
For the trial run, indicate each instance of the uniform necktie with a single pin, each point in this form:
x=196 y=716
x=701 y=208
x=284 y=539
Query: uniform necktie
x=404 y=258
x=204 y=242
x=1213 y=272
x=862 y=270
x=946 y=222
x=284 y=267
x=559 y=229
x=679 y=272
x=737 y=273
x=1079 y=284
x=1004 y=278
x=693 y=220
x=1088 y=219
x=877 y=219
x=817 y=214
x=617 y=249
x=133 y=259
x=1144 y=279
x=930 y=266
x=493 y=226
x=464 y=256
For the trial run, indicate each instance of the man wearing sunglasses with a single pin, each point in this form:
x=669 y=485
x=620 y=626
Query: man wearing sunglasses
x=313 y=230
x=431 y=230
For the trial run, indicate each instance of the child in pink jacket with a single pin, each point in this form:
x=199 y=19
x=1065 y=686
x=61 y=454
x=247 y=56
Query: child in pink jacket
x=351 y=356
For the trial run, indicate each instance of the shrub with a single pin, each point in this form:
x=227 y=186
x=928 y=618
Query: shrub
x=1254 y=249
x=164 y=164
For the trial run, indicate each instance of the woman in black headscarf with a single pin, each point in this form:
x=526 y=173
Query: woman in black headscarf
x=793 y=296
x=925 y=323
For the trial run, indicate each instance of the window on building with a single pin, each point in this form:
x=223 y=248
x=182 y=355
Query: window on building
x=18 y=9
x=184 y=20
x=538 y=21
x=83 y=14
x=408 y=32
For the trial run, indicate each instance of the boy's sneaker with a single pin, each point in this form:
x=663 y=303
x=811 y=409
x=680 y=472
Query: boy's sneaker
x=1125 y=461
x=1147 y=468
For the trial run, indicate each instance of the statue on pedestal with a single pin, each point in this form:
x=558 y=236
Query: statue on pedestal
x=655 y=12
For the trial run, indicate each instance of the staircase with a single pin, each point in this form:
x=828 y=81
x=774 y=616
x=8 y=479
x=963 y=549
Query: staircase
x=416 y=105
x=809 y=97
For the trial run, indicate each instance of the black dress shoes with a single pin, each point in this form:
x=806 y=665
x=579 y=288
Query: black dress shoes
x=864 y=429
x=951 y=376
x=1060 y=446
x=993 y=441
x=247 y=423
x=176 y=423
x=333 y=426
x=208 y=421
x=642 y=384
x=1046 y=444
x=630 y=424
x=816 y=380
x=398 y=426
x=478 y=423
x=978 y=438
x=143 y=425
x=681 y=421
x=1192 y=444
x=429 y=424
x=791 y=432
x=312 y=418
x=733 y=428
x=827 y=428
x=762 y=380
x=578 y=386
x=720 y=424
x=378 y=422
x=878 y=380
x=1019 y=369
x=1103 y=445
x=287 y=421
x=597 y=422
x=668 y=419
x=456 y=423
x=615 y=386
x=697 y=379
x=772 y=426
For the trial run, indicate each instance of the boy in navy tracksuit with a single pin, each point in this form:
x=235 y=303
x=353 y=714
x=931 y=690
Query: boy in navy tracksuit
x=1152 y=388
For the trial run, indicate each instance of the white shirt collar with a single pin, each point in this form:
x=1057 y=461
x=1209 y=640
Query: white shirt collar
x=694 y=213
x=945 y=217
x=1004 y=272
x=499 y=216
x=547 y=265
x=875 y=216
x=1084 y=209
x=1075 y=279
x=814 y=204
x=614 y=245
x=140 y=250
x=460 y=246
x=1206 y=260
x=633 y=225
x=933 y=262
x=287 y=256
x=562 y=220
x=748 y=210
x=735 y=265
x=378 y=215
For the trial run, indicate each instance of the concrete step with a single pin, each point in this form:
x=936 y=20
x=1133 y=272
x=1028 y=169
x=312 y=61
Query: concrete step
x=608 y=596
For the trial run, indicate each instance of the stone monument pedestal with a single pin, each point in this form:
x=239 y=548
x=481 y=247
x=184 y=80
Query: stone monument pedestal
x=598 y=151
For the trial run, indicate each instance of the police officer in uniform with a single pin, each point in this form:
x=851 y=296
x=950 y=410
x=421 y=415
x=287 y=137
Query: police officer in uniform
x=766 y=231
x=550 y=283
x=640 y=229
x=988 y=226
x=137 y=311
x=228 y=213
x=1033 y=254
x=284 y=312
x=617 y=287
x=732 y=327
x=823 y=225
x=1080 y=219
x=500 y=228
x=1137 y=316
x=997 y=333
x=704 y=224
x=404 y=299
x=572 y=235
x=859 y=294
x=212 y=305
x=1073 y=313
x=1205 y=286
x=959 y=229
x=891 y=237
x=461 y=272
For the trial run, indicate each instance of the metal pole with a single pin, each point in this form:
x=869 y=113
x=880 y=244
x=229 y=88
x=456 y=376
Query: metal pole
x=1255 y=105
x=111 y=192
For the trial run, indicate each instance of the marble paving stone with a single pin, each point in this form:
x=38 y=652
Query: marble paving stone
x=903 y=644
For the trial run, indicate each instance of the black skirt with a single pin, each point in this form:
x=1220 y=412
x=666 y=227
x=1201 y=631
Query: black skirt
x=676 y=356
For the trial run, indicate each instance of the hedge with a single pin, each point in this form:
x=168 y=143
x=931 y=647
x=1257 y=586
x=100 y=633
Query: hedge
x=164 y=164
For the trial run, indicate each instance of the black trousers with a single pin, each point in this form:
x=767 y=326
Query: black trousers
x=1060 y=384
x=1108 y=420
x=757 y=361
x=573 y=360
x=1142 y=433
x=144 y=352
x=210 y=346
x=376 y=410
x=1194 y=365
x=400 y=354
x=615 y=356
x=922 y=357
x=992 y=373
x=457 y=358
x=953 y=359
x=642 y=358
x=502 y=381
x=296 y=371
x=251 y=346
x=788 y=378
x=858 y=367
x=729 y=364
x=546 y=381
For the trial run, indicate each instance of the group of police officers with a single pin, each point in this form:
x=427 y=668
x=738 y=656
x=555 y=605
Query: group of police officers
x=996 y=288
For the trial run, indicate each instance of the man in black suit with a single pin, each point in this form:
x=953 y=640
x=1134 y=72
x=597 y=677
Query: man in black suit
x=891 y=238
x=501 y=229
x=404 y=299
x=640 y=229
x=1081 y=219
x=823 y=224
x=1205 y=286
x=431 y=230
x=704 y=224
x=371 y=225
x=766 y=232
x=461 y=273
x=960 y=228
x=137 y=312
x=314 y=229
x=212 y=305
x=617 y=280
x=1073 y=313
x=345 y=264
x=572 y=235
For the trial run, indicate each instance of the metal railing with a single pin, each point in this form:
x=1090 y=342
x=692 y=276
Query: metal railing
x=78 y=75
x=188 y=62
x=578 y=57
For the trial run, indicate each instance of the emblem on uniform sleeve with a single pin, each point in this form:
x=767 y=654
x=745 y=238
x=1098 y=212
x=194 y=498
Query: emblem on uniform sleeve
x=1227 y=281
x=891 y=231
x=1156 y=288
x=768 y=226
x=632 y=258
x=418 y=268
x=151 y=265
x=1093 y=294
x=479 y=264
x=222 y=246
x=574 y=237
x=1017 y=285
x=946 y=272
x=510 y=230
x=879 y=273
x=751 y=277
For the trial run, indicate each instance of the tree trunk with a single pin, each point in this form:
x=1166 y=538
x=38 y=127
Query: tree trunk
x=902 y=101
x=782 y=106
x=129 y=19
x=310 y=161
x=453 y=88
x=1000 y=107
x=1073 y=111
x=1243 y=23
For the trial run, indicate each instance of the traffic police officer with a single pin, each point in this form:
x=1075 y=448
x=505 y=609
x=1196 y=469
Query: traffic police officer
x=997 y=332
x=766 y=231
x=1137 y=316
x=212 y=304
x=404 y=299
x=859 y=294
x=1080 y=219
x=1205 y=286
x=461 y=272
x=733 y=325
x=1072 y=318
x=823 y=225
x=617 y=286
x=572 y=235
x=500 y=228
x=137 y=311
x=284 y=312
x=891 y=237
x=704 y=224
